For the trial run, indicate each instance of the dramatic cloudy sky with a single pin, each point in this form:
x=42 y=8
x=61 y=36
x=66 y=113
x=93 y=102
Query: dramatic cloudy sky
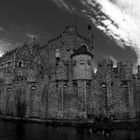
x=116 y=24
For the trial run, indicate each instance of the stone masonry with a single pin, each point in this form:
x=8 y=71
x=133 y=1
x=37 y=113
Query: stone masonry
x=57 y=81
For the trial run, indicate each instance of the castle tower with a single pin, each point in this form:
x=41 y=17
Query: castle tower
x=82 y=76
x=82 y=64
x=61 y=84
x=125 y=72
x=104 y=77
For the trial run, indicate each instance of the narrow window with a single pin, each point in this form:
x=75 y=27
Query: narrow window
x=89 y=62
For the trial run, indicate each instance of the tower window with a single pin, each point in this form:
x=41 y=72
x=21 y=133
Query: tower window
x=74 y=62
x=75 y=84
x=20 y=63
x=57 y=53
x=88 y=62
x=88 y=84
x=33 y=88
x=9 y=62
x=65 y=85
x=20 y=73
x=81 y=61
x=103 y=85
x=9 y=89
x=27 y=63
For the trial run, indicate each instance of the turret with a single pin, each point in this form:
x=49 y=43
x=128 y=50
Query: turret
x=125 y=70
x=82 y=74
x=104 y=70
x=82 y=64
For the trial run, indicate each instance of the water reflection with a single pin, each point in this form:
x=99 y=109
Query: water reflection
x=20 y=131
x=32 y=131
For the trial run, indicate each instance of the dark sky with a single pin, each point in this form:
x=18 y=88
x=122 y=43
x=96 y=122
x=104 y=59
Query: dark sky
x=21 y=19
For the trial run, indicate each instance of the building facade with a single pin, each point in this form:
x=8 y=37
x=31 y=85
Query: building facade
x=57 y=81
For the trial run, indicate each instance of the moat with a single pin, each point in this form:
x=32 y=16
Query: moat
x=35 y=131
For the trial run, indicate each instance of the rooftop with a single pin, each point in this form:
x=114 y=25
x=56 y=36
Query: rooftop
x=82 y=50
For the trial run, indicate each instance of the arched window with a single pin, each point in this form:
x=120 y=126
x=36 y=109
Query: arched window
x=75 y=84
x=33 y=88
x=27 y=63
x=20 y=63
x=65 y=86
x=57 y=53
x=9 y=89
x=20 y=73
x=81 y=62
x=125 y=96
x=88 y=84
x=89 y=62
x=103 y=85
x=112 y=84
x=75 y=87
x=74 y=62
x=9 y=63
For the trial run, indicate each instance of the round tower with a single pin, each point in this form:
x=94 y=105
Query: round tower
x=125 y=70
x=82 y=75
x=82 y=64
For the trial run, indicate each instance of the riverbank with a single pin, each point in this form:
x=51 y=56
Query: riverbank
x=132 y=124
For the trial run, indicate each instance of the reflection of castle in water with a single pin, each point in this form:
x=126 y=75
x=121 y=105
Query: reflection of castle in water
x=57 y=80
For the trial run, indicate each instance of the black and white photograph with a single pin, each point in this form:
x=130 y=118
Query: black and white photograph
x=69 y=69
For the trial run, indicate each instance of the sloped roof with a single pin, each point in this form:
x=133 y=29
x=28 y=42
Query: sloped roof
x=82 y=50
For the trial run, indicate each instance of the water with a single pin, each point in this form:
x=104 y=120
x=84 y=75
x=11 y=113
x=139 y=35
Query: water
x=34 y=131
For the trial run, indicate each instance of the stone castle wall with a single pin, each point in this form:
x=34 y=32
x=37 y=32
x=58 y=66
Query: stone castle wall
x=51 y=82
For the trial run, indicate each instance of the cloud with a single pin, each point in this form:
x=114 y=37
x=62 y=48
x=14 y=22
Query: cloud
x=64 y=5
x=3 y=46
x=4 y=43
x=118 y=19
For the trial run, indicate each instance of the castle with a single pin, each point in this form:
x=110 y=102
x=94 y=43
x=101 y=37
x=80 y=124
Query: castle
x=57 y=81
